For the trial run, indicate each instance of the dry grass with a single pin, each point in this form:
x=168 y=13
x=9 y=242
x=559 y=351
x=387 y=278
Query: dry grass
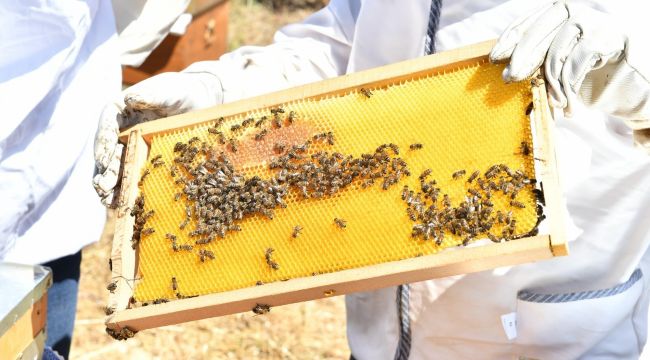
x=311 y=330
x=254 y=24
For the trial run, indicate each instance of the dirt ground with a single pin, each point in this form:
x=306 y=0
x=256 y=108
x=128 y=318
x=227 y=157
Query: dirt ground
x=310 y=330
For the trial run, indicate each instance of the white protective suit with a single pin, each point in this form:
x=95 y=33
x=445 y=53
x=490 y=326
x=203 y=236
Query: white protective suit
x=606 y=184
x=58 y=67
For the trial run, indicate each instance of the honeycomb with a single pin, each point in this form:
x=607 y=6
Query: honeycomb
x=465 y=118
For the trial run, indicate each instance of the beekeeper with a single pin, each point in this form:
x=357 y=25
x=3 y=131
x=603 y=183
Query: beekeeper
x=591 y=304
x=59 y=63
x=57 y=67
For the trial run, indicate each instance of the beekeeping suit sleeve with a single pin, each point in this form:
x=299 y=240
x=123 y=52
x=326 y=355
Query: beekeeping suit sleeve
x=58 y=66
x=142 y=25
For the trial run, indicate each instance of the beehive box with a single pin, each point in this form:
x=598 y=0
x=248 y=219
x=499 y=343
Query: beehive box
x=454 y=104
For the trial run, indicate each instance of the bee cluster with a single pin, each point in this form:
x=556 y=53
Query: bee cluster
x=217 y=196
x=325 y=174
x=141 y=218
x=474 y=217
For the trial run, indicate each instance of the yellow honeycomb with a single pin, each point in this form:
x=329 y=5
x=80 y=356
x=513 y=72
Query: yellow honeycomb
x=465 y=118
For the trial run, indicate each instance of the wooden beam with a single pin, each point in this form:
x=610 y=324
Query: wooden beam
x=446 y=263
x=123 y=256
x=377 y=77
x=547 y=167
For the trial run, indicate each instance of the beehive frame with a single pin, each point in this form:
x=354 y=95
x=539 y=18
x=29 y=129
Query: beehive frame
x=445 y=263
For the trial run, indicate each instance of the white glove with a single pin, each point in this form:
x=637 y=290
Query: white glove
x=586 y=53
x=157 y=97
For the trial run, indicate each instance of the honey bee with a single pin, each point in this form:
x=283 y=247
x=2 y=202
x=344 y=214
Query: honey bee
x=247 y=122
x=177 y=196
x=109 y=310
x=268 y=255
x=539 y=210
x=367 y=183
x=192 y=140
x=416 y=146
x=292 y=117
x=366 y=92
x=279 y=147
x=214 y=131
x=235 y=128
x=467 y=240
x=221 y=138
x=186 y=247
x=155 y=158
x=173 y=170
x=493 y=238
x=278 y=110
x=517 y=204
x=148 y=215
x=122 y=334
x=148 y=231
x=206 y=254
x=296 y=231
x=261 y=121
x=259 y=136
x=515 y=192
x=261 y=309
x=508 y=218
x=474 y=192
x=529 y=108
x=341 y=223
x=259 y=283
x=112 y=286
x=458 y=174
x=174 y=284
x=233 y=144
x=512 y=226
x=276 y=121
x=179 y=147
x=206 y=240
x=144 y=176
x=394 y=147
x=412 y=214
x=405 y=192
x=180 y=180
x=525 y=149
x=330 y=138
x=446 y=202
x=425 y=174
x=492 y=171
x=473 y=176
x=184 y=223
x=219 y=122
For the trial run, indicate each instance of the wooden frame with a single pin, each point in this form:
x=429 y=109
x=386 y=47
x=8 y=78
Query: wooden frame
x=446 y=263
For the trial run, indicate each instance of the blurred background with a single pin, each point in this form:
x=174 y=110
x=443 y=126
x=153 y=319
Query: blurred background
x=311 y=330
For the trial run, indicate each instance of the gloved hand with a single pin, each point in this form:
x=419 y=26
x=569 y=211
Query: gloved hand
x=586 y=53
x=160 y=96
